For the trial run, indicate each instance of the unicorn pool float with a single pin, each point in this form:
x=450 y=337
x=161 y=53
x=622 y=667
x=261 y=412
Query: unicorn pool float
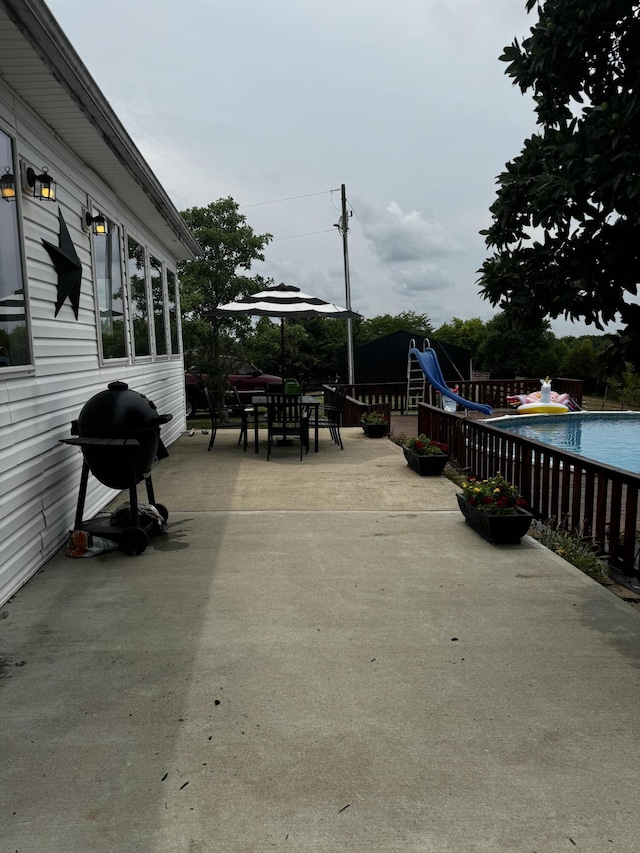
x=544 y=401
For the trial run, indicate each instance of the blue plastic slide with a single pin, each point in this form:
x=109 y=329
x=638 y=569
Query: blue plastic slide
x=428 y=361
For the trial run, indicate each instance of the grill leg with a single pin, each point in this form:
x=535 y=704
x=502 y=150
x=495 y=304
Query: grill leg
x=164 y=512
x=84 y=479
x=150 y=494
x=133 y=498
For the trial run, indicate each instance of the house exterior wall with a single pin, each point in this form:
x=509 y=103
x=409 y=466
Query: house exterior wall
x=39 y=476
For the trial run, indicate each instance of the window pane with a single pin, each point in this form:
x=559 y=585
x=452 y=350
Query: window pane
x=173 y=312
x=106 y=251
x=157 y=295
x=14 y=339
x=139 y=306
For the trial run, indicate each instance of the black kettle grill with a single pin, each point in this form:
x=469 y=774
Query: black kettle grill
x=119 y=434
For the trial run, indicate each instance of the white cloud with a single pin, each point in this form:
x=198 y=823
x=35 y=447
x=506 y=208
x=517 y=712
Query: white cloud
x=404 y=101
x=403 y=237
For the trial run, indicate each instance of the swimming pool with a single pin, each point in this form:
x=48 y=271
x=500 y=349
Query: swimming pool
x=612 y=438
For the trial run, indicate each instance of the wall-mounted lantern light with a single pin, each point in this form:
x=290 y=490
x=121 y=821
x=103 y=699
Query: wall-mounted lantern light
x=97 y=223
x=8 y=185
x=43 y=185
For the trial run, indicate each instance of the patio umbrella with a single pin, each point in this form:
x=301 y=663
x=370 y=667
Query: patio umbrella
x=284 y=300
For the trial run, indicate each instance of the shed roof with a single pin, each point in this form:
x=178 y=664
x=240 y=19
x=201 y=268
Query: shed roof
x=38 y=62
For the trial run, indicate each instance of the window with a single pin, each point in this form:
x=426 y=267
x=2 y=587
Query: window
x=173 y=312
x=157 y=297
x=139 y=304
x=14 y=334
x=108 y=265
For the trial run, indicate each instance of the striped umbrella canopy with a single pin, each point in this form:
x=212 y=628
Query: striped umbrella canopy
x=285 y=300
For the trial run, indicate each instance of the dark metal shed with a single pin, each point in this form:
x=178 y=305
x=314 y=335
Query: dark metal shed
x=385 y=359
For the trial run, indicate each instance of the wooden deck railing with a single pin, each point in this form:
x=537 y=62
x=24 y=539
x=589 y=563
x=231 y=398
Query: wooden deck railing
x=588 y=498
x=354 y=408
x=492 y=392
x=375 y=394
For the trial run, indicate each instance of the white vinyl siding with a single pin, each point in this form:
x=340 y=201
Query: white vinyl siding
x=39 y=476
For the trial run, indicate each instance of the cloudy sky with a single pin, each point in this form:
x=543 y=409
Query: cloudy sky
x=279 y=103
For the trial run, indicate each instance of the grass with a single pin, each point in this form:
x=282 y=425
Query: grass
x=600 y=404
x=199 y=423
x=205 y=423
x=572 y=547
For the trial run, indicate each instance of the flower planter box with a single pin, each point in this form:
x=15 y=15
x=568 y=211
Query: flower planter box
x=375 y=430
x=497 y=529
x=426 y=466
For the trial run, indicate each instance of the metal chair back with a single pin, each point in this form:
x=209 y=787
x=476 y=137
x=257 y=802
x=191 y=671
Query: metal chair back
x=287 y=416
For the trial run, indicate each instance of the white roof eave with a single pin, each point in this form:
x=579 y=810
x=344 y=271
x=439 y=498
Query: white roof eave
x=107 y=149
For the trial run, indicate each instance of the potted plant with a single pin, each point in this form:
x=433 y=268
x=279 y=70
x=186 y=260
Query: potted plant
x=374 y=424
x=495 y=509
x=426 y=457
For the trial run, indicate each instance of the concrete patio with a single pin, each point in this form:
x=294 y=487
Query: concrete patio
x=317 y=656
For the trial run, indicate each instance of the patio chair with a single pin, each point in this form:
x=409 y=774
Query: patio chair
x=330 y=417
x=213 y=415
x=287 y=416
x=237 y=409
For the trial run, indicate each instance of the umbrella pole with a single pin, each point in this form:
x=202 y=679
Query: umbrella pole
x=284 y=441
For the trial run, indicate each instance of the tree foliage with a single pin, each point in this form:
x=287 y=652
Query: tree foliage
x=312 y=344
x=386 y=324
x=566 y=221
x=229 y=246
x=503 y=347
x=462 y=333
x=311 y=347
x=508 y=350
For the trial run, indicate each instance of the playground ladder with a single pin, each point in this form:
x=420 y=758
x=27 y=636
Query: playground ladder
x=416 y=380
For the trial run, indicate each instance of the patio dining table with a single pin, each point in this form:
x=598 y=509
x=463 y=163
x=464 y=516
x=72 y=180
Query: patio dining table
x=261 y=400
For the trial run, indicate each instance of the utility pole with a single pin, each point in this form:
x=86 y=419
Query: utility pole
x=343 y=228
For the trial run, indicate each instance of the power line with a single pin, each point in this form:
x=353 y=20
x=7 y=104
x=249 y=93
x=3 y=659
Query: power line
x=379 y=251
x=308 y=234
x=326 y=231
x=290 y=198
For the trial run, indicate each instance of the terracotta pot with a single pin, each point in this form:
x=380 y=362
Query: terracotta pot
x=426 y=466
x=498 y=529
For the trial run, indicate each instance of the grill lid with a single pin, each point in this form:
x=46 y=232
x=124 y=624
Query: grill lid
x=118 y=411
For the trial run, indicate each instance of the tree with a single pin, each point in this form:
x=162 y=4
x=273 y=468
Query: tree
x=566 y=221
x=311 y=347
x=580 y=360
x=463 y=333
x=229 y=245
x=312 y=344
x=508 y=350
x=385 y=324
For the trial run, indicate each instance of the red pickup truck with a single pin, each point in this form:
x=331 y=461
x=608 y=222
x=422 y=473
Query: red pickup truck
x=246 y=378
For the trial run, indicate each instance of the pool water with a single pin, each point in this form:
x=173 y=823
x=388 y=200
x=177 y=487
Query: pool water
x=610 y=438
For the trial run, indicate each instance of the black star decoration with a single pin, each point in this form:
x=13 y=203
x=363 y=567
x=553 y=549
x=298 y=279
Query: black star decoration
x=67 y=264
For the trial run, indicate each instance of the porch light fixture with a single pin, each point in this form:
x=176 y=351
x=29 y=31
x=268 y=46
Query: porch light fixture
x=43 y=185
x=8 y=185
x=97 y=223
